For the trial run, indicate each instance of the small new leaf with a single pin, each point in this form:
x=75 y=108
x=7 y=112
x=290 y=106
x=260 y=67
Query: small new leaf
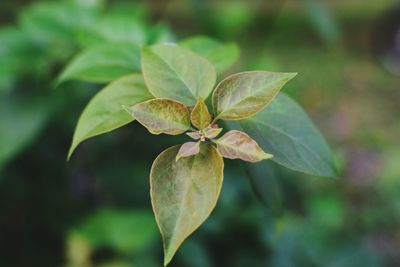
x=183 y=193
x=188 y=149
x=162 y=116
x=200 y=116
x=194 y=135
x=211 y=132
x=242 y=95
x=238 y=145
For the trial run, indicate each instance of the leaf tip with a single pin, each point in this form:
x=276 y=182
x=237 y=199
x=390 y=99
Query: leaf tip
x=168 y=255
x=291 y=75
x=129 y=110
x=126 y=108
x=56 y=83
x=334 y=172
x=268 y=156
x=70 y=152
x=166 y=262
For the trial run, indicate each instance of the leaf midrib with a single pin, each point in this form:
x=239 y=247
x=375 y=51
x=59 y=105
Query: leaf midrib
x=187 y=185
x=181 y=126
x=274 y=94
x=237 y=148
x=176 y=73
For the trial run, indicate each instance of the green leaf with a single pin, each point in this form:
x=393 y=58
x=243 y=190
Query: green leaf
x=188 y=149
x=238 y=145
x=286 y=131
x=242 y=95
x=56 y=23
x=200 y=116
x=176 y=73
x=184 y=192
x=104 y=112
x=222 y=55
x=162 y=115
x=103 y=63
x=122 y=28
x=21 y=120
x=265 y=184
x=123 y=230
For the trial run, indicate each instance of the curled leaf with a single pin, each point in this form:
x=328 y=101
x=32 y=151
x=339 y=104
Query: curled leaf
x=200 y=116
x=188 y=149
x=177 y=73
x=242 y=95
x=162 y=116
x=238 y=145
x=183 y=193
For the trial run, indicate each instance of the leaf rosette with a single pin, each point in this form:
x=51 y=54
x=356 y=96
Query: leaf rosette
x=170 y=99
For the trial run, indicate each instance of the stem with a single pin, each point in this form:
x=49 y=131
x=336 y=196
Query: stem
x=214 y=120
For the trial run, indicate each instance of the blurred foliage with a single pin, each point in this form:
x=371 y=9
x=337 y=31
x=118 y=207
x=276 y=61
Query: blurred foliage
x=47 y=35
x=95 y=210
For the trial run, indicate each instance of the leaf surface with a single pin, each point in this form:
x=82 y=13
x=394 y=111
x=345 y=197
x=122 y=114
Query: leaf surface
x=103 y=63
x=177 y=73
x=286 y=131
x=184 y=192
x=242 y=95
x=194 y=135
x=104 y=112
x=238 y=145
x=212 y=132
x=222 y=55
x=162 y=115
x=188 y=149
x=264 y=181
x=200 y=116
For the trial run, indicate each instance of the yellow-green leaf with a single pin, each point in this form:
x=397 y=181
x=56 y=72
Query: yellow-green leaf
x=104 y=112
x=177 y=73
x=162 y=115
x=238 y=145
x=242 y=95
x=188 y=149
x=200 y=116
x=184 y=192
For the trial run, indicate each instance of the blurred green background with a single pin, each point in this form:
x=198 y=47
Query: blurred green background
x=95 y=210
